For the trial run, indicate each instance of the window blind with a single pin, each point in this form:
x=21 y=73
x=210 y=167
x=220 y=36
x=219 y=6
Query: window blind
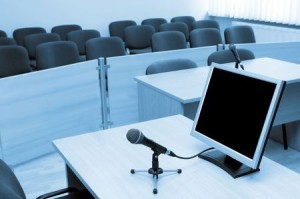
x=275 y=11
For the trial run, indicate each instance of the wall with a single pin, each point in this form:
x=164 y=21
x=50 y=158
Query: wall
x=91 y=14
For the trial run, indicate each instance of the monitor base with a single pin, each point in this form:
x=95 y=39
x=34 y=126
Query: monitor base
x=231 y=166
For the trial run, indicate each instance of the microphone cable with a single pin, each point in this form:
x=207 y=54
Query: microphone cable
x=191 y=157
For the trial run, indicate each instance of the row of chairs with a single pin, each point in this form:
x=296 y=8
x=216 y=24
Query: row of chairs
x=91 y=45
x=94 y=46
x=48 y=51
x=137 y=37
x=32 y=36
x=14 y=59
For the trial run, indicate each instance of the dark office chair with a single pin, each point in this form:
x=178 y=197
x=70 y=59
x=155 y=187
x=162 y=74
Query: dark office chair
x=20 y=33
x=138 y=38
x=10 y=188
x=104 y=47
x=205 y=37
x=155 y=22
x=226 y=56
x=205 y=23
x=3 y=33
x=56 y=53
x=239 y=34
x=168 y=65
x=188 y=20
x=63 y=30
x=176 y=26
x=80 y=37
x=168 y=40
x=116 y=28
x=14 y=60
x=33 y=40
x=4 y=41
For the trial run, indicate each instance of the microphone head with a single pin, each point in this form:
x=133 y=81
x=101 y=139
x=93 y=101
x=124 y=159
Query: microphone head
x=134 y=136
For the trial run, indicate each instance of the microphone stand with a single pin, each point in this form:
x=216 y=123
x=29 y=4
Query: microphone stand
x=155 y=170
x=237 y=64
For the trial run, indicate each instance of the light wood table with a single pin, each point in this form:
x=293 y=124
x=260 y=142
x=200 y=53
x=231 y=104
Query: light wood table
x=101 y=161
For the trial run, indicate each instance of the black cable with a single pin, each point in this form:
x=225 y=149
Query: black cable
x=186 y=158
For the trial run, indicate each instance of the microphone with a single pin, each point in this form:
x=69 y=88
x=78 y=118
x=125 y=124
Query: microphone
x=232 y=48
x=135 y=136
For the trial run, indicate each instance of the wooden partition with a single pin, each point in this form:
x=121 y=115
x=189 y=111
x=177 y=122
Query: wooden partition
x=122 y=87
x=41 y=106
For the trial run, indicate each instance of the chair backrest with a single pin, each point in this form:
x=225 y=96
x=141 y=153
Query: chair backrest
x=3 y=33
x=33 y=40
x=155 y=22
x=205 y=23
x=168 y=40
x=188 y=20
x=104 y=47
x=7 y=41
x=178 y=26
x=205 y=37
x=20 y=33
x=138 y=37
x=82 y=36
x=226 y=56
x=116 y=28
x=63 y=30
x=14 y=60
x=56 y=53
x=170 y=65
x=10 y=187
x=239 y=34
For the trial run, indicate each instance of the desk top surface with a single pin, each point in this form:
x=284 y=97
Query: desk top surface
x=287 y=71
x=102 y=160
x=184 y=85
x=187 y=86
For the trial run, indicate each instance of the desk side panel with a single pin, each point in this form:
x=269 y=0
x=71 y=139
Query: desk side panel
x=153 y=104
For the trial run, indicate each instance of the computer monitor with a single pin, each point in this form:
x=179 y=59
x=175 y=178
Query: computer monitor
x=235 y=116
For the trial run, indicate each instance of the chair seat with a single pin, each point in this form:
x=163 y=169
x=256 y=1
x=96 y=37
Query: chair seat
x=139 y=51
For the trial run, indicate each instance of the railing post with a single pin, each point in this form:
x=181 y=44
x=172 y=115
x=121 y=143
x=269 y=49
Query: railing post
x=104 y=93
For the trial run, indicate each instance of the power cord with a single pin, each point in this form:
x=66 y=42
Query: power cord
x=186 y=158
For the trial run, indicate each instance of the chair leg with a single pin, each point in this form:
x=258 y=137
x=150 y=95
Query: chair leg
x=284 y=136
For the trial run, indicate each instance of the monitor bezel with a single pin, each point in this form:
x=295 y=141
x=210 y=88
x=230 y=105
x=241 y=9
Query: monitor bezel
x=255 y=161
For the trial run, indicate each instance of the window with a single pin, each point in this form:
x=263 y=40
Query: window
x=276 y=11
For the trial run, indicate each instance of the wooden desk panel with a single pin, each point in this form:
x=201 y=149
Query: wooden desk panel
x=165 y=94
x=101 y=161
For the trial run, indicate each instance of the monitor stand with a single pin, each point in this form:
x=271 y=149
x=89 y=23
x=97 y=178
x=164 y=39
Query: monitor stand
x=231 y=166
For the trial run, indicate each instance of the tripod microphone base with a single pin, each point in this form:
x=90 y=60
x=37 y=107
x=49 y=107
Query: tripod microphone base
x=155 y=173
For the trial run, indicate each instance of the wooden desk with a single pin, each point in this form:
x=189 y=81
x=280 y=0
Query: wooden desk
x=102 y=160
x=179 y=92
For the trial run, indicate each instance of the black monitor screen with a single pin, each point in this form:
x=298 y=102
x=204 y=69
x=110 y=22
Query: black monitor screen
x=236 y=112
